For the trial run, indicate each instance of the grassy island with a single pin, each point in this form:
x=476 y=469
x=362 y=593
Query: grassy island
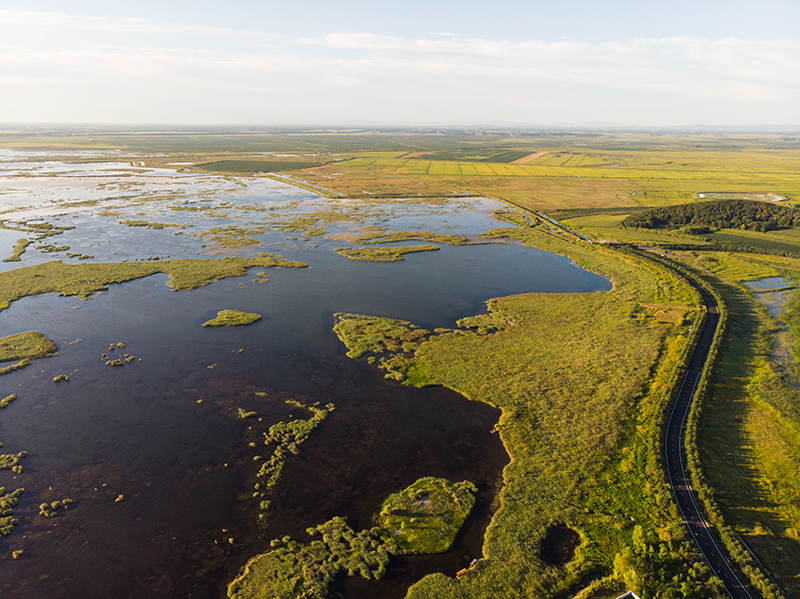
x=232 y=318
x=83 y=280
x=426 y=517
x=384 y=254
x=24 y=348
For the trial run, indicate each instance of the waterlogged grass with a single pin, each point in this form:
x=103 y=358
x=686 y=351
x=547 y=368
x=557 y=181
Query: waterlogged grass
x=425 y=517
x=83 y=280
x=231 y=237
x=24 y=348
x=384 y=254
x=232 y=318
x=287 y=438
x=19 y=249
x=389 y=343
x=421 y=519
x=383 y=236
x=8 y=501
x=149 y=225
x=296 y=570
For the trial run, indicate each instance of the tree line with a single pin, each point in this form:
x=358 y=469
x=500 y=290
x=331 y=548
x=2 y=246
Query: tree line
x=701 y=217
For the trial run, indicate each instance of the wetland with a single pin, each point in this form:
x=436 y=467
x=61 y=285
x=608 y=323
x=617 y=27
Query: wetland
x=160 y=458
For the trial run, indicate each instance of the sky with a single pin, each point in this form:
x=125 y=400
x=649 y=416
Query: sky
x=410 y=63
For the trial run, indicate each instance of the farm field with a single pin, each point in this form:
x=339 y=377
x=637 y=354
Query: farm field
x=580 y=381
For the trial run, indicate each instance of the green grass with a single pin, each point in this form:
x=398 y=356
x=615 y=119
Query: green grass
x=83 y=280
x=425 y=517
x=384 y=254
x=305 y=571
x=287 y=438
x=19 y=249
x=149 y=225
x=232 y=318
x=24 y=348
x=421 y=519
x=8 y=501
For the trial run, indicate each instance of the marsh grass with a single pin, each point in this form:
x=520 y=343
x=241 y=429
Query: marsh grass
x=8 y=501
x=19 y=249
x=426 y=517
x=149 y=225
x=296 y=570
x=232 y=318
x=83 y=280
x=287 y=438
x=384 y=254
x=24 y=347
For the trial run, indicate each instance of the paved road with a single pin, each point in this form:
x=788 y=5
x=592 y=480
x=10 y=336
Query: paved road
x=673 y=449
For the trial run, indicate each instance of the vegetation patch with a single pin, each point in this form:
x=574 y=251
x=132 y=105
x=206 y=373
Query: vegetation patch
x=8 y=501
x=749 y=215
x=6 y=401
x=149 y=225
x=24 y=347
x=19 y=249
x=382 y=236
x=231 y=237
x=384 y=254
x=83 y=280
x=232 y=318
x=422 y=519
x=425 y=517
x=583 y=382
x=295 y=570
x=287 y=438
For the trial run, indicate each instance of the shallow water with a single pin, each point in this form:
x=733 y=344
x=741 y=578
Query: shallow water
x=163 y=432
x=775 y=293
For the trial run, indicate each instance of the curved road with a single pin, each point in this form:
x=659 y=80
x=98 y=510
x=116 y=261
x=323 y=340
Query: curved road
x=673 y=454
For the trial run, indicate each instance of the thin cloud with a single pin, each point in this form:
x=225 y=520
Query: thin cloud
x=356 y=73
x=62 y=21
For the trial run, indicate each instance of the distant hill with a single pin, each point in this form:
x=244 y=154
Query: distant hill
x=722 y=214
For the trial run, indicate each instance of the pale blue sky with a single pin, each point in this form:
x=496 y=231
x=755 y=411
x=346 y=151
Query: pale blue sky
x=413 y=62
